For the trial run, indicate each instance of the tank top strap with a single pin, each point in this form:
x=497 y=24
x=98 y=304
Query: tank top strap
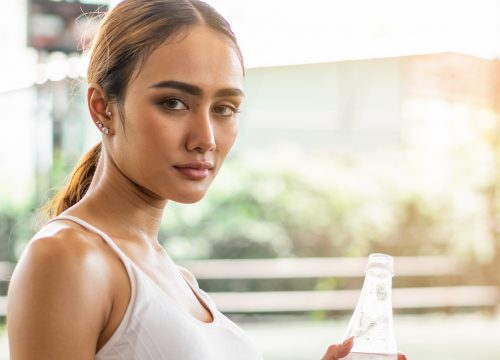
x=99 y=232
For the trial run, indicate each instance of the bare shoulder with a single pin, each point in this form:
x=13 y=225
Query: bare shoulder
x=65 y=252
x=62 y=257
x=61 y=239
x=59 y=291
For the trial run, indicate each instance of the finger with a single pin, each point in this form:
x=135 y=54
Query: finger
x=401 y=356
x=338 y=351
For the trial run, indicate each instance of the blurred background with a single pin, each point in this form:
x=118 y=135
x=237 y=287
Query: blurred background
x=368 y=126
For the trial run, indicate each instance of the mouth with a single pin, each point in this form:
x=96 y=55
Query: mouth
x=198 y=170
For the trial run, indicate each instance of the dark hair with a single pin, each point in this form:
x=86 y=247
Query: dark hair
x=128 y=34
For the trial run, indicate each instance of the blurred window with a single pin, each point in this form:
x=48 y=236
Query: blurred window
x=62 y=25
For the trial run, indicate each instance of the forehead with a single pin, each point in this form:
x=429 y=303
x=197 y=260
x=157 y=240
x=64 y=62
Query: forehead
x=199 y=56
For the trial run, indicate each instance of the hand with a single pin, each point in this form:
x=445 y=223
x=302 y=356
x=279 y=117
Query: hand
x=339 y=351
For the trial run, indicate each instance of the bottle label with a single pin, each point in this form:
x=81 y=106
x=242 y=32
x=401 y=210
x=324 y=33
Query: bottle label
x=381 y=292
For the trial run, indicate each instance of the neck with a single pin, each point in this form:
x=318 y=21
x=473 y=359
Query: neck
x=121 y=207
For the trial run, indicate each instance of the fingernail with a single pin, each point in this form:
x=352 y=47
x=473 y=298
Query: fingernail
x=348 y=340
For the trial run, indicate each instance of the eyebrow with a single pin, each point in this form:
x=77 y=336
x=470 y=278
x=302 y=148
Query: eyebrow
x=195 y=90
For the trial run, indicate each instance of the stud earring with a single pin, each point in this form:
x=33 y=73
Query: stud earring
x=109 y=113
x=104 y=129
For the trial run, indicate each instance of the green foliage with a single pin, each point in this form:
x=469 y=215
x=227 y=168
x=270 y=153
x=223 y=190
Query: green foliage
x=16 y=228
x=289 y=204
x=264 y=206
x=19 y=220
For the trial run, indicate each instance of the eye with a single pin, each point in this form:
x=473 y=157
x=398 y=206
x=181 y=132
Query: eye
x=225 y=110
x=174 y=104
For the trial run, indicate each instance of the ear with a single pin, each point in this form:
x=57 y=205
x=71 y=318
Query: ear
x=99 y=109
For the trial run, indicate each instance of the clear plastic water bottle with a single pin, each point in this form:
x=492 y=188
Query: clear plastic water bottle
x=371 y=323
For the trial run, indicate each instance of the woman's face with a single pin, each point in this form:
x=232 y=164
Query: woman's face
x=180 y=115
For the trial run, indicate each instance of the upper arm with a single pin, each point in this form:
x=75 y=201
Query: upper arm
x=58 y=300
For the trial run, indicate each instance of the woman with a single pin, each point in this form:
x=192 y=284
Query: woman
x=165 y=85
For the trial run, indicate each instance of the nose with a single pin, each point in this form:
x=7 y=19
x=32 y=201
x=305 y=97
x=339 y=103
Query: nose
x=201 y=137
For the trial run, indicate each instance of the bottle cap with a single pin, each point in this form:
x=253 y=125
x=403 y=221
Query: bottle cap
x=381 y=261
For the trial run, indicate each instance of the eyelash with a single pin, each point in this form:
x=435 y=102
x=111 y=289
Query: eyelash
x=234 y=109
x=165 y=101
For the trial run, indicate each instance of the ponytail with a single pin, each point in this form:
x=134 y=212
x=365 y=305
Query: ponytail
x=78 y=185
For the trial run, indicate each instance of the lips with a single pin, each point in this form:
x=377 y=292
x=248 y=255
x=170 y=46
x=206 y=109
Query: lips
x=197 y=170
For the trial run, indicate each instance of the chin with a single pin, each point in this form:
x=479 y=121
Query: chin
x=188 y=198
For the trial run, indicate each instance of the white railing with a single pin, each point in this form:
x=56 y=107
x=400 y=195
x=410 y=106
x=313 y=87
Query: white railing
x=296 y=268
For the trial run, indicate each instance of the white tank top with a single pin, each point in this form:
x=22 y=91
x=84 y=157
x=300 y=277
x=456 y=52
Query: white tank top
x=155 y=328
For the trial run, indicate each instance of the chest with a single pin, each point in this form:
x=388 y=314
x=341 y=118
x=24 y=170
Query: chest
x=176 y=288
x=156 y=328
x=162 y=273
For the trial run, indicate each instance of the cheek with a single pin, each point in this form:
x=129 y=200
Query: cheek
x=154 y=131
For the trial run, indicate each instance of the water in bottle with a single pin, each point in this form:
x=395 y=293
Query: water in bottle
x=371 y=323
